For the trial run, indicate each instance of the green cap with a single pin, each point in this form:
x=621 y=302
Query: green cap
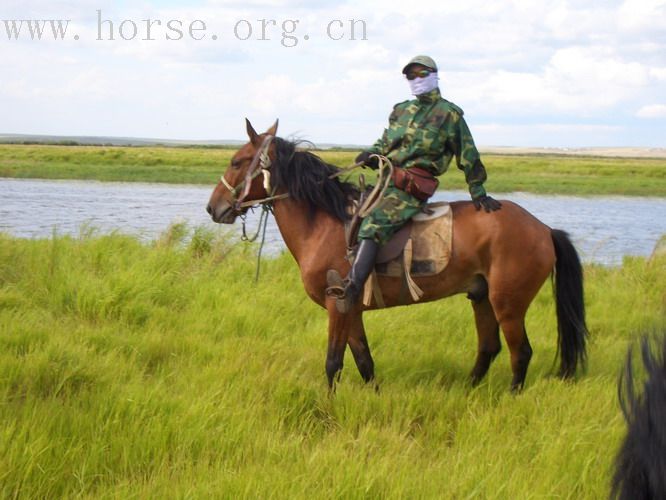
x=426 y=61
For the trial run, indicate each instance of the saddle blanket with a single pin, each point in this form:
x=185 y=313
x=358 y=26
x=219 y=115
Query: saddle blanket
x=421 y=248
x=430 y=233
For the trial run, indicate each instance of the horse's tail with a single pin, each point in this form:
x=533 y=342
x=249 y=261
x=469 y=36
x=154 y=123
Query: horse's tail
x=568 y=286
x=640 y=465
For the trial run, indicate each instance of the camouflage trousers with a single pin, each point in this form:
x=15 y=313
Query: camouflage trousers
x=395 y=209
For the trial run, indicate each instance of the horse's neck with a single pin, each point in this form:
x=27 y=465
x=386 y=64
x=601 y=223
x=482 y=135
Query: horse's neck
x=305 y=237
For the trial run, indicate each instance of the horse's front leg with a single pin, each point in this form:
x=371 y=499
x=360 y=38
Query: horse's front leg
x=358 y=343
x=339 y=326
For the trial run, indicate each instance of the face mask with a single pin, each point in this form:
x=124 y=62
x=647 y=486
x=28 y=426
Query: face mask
x=423 y=85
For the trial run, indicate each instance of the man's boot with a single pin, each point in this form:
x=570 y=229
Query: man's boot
x=347 y=291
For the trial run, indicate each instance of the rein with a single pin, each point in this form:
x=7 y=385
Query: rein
x=385 y=174
x=367 y=203
x=377 y=194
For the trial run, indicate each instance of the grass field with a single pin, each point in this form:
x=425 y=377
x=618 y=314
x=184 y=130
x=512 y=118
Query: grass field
x=537 y=174
x=158 y=370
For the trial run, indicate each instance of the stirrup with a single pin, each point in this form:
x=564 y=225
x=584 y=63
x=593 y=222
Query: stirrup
x=337 y=287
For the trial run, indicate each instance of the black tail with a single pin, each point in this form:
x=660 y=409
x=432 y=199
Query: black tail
x=640 y=466
x=568 y=282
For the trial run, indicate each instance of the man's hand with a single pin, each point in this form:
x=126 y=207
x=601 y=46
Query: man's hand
x=489 y=204
x=365 y=159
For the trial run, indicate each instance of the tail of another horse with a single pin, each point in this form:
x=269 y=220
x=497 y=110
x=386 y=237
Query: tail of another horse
x=640 y=466
x=568 y=284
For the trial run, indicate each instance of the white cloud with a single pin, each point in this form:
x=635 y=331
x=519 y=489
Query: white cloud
x=348 y=96
x=658 y=73
x=652 y=111
x=642 y=15
x=596 y=66
x=579 y=80
x=551 y=134
x=360 y=54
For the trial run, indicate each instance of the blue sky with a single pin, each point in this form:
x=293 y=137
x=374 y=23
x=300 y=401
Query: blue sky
x=552 y=73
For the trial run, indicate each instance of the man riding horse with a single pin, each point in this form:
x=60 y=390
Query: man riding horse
x=423 y=135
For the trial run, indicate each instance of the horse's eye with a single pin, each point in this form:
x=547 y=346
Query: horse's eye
x=235 y=164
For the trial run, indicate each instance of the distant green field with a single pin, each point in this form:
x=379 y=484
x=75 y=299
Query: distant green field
x=537 y=174
x=159 y=370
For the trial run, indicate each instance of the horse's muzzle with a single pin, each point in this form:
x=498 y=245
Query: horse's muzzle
x=224 y=213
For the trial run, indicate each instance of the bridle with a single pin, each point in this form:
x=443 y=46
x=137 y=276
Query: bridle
x=260 y=165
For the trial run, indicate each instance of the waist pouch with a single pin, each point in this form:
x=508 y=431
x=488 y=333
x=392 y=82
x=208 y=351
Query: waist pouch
x=418 y=182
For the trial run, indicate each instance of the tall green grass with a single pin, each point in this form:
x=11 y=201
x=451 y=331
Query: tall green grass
x=536 y=173
x=135 y=370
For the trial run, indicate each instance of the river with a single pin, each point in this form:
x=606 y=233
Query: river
x=603 y=228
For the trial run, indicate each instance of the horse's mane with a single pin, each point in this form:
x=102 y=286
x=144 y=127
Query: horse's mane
x=306 y=178
x=640 y=466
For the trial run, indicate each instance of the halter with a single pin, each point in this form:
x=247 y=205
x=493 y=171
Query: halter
x=261 y=164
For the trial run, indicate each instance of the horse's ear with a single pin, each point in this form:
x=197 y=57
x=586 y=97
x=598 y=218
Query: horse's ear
x=251 y=133
x=273 y=130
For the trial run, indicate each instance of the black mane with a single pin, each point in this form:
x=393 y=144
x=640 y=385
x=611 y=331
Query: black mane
x=306 y=178
x=640 y=466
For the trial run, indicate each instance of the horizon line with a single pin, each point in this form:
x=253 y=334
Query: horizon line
x=621 y=151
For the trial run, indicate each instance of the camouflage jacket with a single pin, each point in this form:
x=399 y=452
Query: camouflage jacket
x=427 y=132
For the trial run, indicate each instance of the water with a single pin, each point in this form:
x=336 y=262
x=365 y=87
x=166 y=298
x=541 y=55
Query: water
x=603 y=228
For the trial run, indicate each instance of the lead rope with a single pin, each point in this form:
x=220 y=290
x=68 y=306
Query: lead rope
x=385 y=168
x=265 y=211
x=263 y=224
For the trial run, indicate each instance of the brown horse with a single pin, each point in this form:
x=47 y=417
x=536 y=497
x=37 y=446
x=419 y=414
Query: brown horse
x=500 y=259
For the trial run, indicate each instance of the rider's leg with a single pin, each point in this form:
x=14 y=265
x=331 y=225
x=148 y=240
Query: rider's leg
x=347 y=291
x=395 y=209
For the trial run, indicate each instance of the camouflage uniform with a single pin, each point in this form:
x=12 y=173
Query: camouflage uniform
x=395 y=209
x=426 y=132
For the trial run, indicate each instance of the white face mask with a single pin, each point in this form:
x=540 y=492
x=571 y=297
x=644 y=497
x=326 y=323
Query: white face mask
x=424 y=85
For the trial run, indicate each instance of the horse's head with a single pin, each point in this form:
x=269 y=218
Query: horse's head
x=245 y=179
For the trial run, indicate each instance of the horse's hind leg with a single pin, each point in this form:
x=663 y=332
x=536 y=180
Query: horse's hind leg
x=519 y=346
x=512 y=287
x=521 y=353
x=487 y=329
x=358 y=343
x=510 y=309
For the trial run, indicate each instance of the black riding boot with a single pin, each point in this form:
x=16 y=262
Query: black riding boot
x=347 y=291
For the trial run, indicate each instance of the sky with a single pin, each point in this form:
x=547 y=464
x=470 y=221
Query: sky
x=558 y=73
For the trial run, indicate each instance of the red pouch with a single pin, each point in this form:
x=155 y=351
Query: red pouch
x=418 y=182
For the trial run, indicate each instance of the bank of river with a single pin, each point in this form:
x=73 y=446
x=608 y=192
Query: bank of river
x=603 y=228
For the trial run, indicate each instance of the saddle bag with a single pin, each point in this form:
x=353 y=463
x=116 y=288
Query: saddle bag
x=418 y=182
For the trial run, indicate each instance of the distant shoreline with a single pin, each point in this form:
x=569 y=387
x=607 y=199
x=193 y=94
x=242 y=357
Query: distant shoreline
x=519 y=170
x=616 y=152
x=608 y=152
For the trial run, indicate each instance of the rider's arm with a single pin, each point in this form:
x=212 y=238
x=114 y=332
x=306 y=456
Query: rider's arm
x=469 y=160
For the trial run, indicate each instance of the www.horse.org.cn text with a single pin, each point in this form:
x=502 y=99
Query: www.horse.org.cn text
x=286 y=32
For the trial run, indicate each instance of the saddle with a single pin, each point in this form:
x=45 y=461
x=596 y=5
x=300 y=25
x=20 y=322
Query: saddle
x=422 y=247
